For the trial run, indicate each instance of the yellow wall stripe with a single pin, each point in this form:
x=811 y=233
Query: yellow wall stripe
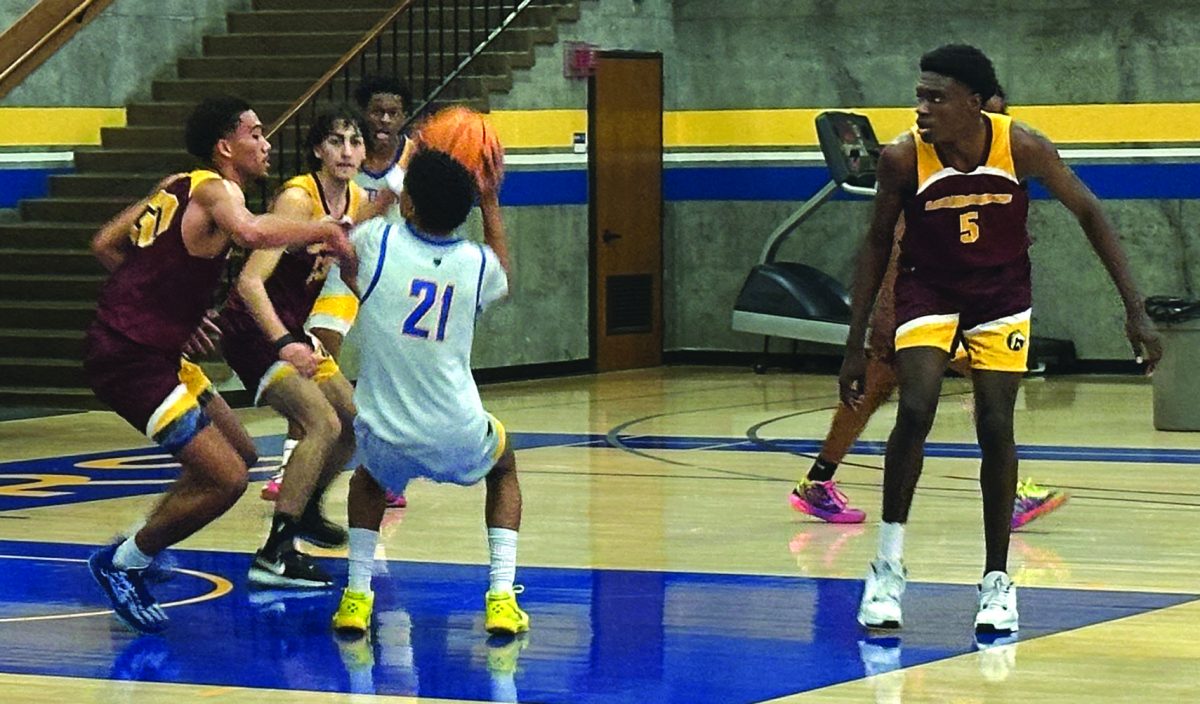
x=789 y=127
x=53 y=127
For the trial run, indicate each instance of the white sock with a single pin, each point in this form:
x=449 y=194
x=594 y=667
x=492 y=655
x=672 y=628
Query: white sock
x=129 y=557
x=502 y=544
x=288 y=446
x=891 y=541
x=362 y=558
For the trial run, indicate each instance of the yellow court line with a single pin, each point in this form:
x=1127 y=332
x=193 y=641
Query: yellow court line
x=221 y=587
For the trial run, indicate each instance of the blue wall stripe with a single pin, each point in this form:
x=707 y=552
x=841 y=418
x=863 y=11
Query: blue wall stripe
x=18 y=184
x=1130 y=181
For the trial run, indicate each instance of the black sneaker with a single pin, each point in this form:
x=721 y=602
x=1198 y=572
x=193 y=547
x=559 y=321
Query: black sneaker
x=288 y=570
x=320 y=531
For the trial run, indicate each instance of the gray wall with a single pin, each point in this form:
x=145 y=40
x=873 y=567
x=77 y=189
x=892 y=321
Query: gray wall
x=130 y=44
x=722 y=54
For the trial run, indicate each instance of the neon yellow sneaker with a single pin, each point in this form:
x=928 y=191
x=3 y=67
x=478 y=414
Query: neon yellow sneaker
x=353 y=616
x=503 y=616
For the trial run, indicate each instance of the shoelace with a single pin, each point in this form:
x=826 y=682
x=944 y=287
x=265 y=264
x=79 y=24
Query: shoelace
x=997 y=597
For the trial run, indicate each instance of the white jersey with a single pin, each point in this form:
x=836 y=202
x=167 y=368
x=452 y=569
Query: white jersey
x=416 y=323
x=390 y=178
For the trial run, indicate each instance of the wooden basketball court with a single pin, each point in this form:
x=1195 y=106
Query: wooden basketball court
x=660 y=558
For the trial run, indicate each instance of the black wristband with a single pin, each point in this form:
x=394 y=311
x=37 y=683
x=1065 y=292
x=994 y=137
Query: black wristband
x=284 y=340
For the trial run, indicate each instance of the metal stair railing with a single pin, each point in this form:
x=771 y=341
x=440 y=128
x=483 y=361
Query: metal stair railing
x=457 y=34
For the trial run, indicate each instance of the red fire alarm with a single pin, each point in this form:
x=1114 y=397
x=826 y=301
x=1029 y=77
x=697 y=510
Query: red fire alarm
x=579 y=59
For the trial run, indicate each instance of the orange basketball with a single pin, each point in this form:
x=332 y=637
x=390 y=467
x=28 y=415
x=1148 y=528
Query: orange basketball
x=469 y=139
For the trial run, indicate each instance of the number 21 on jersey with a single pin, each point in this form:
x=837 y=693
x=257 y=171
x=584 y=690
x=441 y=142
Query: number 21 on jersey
x=428 y=294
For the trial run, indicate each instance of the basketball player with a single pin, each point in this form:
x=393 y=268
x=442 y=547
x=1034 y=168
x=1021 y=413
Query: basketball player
x=421 y=287
x=817 y=494
x=262 y=337
x=166 y=254
x=385 y=102
x=963 y=271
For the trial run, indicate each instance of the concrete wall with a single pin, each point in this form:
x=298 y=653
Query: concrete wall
x=130 y=44
x=721 y=54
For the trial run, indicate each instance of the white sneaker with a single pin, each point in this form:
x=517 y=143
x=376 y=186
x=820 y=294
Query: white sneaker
x=997 y=604
x=880 y=607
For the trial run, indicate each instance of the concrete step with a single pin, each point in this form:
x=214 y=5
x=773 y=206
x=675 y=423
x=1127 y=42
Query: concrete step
x=44 y=371
x=315 y=65
x=94 y=211
x=45 y=261
x=46 y=315
x=363 y=19
x=47 y=235
x=33 y=342
x=130 y=186
x=49 y=397
x=335 y=42
x=138 y=161
x=175 y=113
x=255 y=90
x=40 y=287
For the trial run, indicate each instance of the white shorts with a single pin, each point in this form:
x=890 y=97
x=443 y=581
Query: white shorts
x=394 y=466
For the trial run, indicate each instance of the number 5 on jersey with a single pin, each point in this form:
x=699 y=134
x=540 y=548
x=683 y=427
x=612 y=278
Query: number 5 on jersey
x=428 y=293
x=968 y=228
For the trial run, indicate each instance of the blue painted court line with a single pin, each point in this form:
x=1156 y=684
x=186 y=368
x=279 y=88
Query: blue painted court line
x=597 y=636
x=95 y=476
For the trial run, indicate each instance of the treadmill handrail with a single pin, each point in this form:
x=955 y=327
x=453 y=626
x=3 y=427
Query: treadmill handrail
x=860 y=190
x=788 y=226
x=781 y=233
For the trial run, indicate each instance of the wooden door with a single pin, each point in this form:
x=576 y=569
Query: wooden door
x=625 y=163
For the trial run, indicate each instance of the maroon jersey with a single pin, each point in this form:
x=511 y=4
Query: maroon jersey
x=159 y=294
x=298 y=277
x=960 y=222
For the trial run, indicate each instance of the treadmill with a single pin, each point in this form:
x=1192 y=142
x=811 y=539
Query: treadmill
x=791 y=299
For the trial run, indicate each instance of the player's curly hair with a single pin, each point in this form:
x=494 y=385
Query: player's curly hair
x=965 y=64
x=215 y=118
x=442 y=191
x=372 y=85
x=326 y=121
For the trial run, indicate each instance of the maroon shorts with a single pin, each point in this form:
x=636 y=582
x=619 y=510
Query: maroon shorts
x=156 y=391
x=976 y=297
x=246 y=349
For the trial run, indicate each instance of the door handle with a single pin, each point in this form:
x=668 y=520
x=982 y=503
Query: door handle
x=609 y=236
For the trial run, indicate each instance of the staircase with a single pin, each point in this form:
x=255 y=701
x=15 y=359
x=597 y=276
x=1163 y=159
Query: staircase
x=270 y=56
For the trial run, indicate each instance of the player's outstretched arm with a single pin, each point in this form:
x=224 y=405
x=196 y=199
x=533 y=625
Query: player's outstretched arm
x=1037 y=157
x=895 y=179
x=494 y=234
x=112 y=243
x=226 y=205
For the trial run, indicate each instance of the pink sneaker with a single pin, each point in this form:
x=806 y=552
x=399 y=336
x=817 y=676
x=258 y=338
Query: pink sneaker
x=396 y=500
x=1034 y=501
x=823 y=500
x=270 y=490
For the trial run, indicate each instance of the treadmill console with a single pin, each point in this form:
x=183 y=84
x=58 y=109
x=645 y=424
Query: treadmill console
x=850 y=147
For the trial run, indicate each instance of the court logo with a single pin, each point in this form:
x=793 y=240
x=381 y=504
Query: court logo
x=1016 y=341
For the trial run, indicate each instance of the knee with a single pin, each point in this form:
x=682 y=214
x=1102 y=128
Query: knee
x=232 y=484
x=916 y=416
x=994 y=430
x=323 y=426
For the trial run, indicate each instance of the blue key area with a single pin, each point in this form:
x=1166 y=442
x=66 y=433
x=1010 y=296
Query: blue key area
x=602 y=636
x=64 y=480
